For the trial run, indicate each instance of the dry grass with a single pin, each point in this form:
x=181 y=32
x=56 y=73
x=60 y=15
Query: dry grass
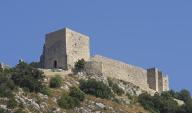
x=136 y=108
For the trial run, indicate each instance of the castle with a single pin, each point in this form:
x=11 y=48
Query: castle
x=64 y=47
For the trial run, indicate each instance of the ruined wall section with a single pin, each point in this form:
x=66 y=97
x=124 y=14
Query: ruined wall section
x=119 y=70
x=55 y=50
x=77 y=47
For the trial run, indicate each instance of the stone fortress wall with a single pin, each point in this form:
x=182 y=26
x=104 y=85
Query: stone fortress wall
x=54 y=50
x=119 y=70
x=145 y=79
x=65 y=47
x=77 y=47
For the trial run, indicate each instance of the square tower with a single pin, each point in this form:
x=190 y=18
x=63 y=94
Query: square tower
x=152 y=78
x=63 y=48
x=157 y=80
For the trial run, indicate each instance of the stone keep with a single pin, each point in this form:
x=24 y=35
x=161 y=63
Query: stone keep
x=63 y=48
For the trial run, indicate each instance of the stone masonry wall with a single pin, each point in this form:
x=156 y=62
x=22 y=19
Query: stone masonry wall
x=157 y=80
x=165 y=83
x=55 y=50
x=152 y=78
x=119 y=70
x=94 y=68
x=63 y=48
x=77 y=47
x=160 y=81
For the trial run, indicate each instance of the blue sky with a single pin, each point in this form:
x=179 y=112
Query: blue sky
x=146 y=33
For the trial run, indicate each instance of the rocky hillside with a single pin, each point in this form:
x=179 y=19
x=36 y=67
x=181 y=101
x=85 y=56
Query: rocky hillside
x=26 y=89
x=58 y=91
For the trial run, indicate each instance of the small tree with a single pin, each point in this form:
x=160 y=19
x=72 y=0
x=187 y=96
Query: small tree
x=26 y=76
x=56 y=82
x=35 y=64
x=80 y=65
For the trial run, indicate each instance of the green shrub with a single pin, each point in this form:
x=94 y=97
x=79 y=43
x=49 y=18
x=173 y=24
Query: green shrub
x=80 y=65
x=68 y=102
x=3 y=110
x=35 y=64
x=116 y=89
x=147 y=102
x=12 y=103
x=1 y=69
x=26 y=76
x=56 y=82
x=185 y=95
x=119 y=91
x=46 y=91
x=97 y=88
x=133 y=98
x=77 y=93
x=6 y=85
x=163 y=103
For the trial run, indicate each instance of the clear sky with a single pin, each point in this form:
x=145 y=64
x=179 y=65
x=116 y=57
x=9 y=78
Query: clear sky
x=146 y=33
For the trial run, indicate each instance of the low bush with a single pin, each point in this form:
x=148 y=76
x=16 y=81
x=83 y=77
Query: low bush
x=133 y=98
x=35 y=64
x=45 y=90
x=77 y=93
x=97 y=88
x=3 y=110
x=12 y=103
x=165 y=103
x=6 y=85
x=116 y=89
x=68 y=102
x=56 y=82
